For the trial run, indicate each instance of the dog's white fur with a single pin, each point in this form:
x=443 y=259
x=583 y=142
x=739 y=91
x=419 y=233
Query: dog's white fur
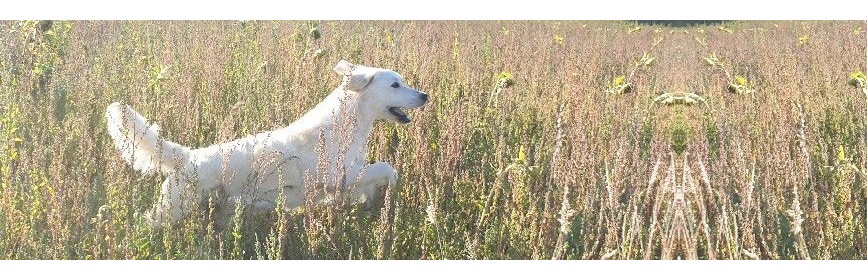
x=251 y=170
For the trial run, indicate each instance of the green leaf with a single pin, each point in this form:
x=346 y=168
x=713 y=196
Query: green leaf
x=695 y=97
x=842 y=158
x=319 y=53
x=315 y=33
x=164 y=73
x=645 y=60
x=42 y=69
x=712 y=60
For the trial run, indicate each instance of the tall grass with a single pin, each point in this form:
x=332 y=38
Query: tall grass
x=549 y=165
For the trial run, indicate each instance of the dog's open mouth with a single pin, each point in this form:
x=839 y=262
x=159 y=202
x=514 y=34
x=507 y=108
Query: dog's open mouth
x=400 y=116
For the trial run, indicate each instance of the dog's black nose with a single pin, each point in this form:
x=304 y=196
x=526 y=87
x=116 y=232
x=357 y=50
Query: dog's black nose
x=424 y=97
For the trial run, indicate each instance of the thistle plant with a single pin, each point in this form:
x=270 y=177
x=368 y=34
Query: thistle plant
x=713 y=61
x=502 y=81
x=621 y=84
x=738 y=84
x=741 y=86
x=842 y=165
x=644 y=61
x=857 y=80
x=679 y=98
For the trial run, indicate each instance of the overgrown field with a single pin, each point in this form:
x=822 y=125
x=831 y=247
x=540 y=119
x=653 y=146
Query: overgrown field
x=541 y=140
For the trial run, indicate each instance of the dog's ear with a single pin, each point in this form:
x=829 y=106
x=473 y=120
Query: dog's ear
x=343 y=67
x=359 y=79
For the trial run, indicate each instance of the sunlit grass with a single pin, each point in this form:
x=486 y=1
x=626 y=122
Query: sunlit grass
x=542 y=139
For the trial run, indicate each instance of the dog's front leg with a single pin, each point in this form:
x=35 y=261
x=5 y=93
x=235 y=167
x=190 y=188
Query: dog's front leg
x=372 y=178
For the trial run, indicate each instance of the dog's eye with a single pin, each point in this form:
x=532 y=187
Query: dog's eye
x=395 y=85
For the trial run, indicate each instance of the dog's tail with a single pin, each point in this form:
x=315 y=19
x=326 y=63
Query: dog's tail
x=140 y=144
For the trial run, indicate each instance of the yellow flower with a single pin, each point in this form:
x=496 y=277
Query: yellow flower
x=618 y=80
x=558 y=39
x=804 y=39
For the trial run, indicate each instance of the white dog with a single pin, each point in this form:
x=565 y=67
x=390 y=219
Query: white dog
x=326 y=146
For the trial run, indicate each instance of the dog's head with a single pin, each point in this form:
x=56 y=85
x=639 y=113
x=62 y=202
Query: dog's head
x=381 y=91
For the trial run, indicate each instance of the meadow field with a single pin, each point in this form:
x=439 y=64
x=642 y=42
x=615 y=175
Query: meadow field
x=541 y=140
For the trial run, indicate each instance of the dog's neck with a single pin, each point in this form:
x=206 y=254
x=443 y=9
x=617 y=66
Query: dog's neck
x=337 y=118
